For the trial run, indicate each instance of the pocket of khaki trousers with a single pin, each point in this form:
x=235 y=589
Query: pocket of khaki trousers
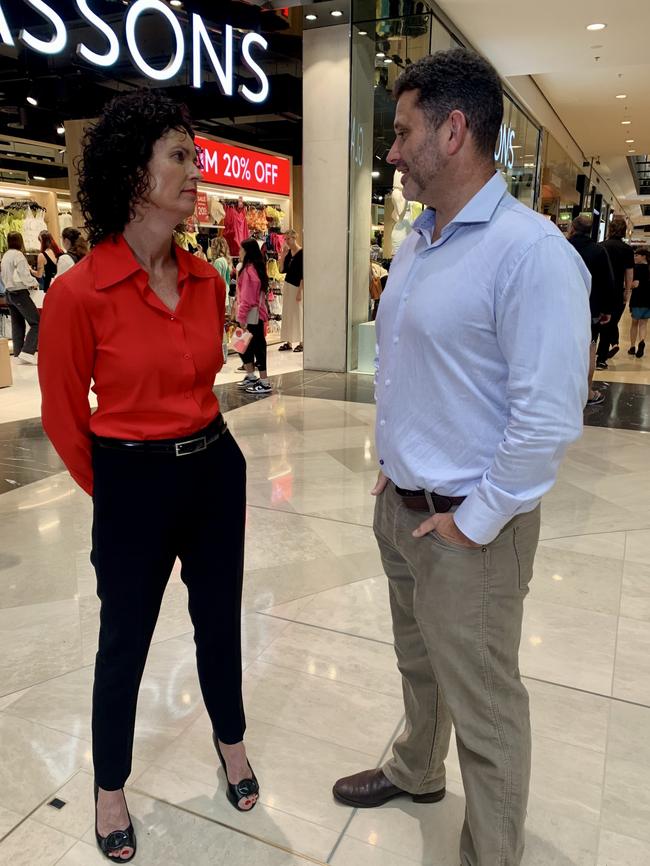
x=525 y=538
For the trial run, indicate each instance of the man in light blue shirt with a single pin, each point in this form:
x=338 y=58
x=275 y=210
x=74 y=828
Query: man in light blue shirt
x=483 y=343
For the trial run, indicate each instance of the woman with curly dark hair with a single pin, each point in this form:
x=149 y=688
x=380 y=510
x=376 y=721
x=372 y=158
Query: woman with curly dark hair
x=143 y=320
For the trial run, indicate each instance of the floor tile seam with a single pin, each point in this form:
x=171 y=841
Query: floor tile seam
x=286 y=667
x=40 y=805
x=602 y=532
x=618 y=623
x=330 y=630
x=586 y=692
x=316 y=516
x=353 y=814
x=229 y=827
x=47 y=727
x=310 y=595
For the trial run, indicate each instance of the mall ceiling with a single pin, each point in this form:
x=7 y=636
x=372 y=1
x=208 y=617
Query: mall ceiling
x=581 y=72
x=66 y=87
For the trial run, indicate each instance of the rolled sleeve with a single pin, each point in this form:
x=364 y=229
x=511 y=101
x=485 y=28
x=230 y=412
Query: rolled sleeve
x=543 y=331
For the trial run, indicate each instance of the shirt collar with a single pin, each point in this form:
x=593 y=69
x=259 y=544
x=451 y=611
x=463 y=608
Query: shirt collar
x=115 y=262
x=479 y=209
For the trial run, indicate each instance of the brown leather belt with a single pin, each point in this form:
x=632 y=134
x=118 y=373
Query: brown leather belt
x=418 y=500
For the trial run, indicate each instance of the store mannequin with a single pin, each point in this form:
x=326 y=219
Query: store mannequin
x=404 y=213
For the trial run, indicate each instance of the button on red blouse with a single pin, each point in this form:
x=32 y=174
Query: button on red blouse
x=101 y=322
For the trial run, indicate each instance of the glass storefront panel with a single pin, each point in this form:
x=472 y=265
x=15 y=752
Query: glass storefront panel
x=379 y=216
x=559 y=195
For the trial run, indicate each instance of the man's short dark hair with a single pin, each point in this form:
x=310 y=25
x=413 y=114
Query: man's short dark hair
x=458 y=80
x=582 y=225
x=617 y=227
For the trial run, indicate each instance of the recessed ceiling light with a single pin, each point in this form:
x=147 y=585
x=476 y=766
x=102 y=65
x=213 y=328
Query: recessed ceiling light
x=380 y=54
x=375 y=174
x=621 y=95
x=62 y=150
x=175 y=3
x=596 y=26
x=37 y=177
x=60 y=129
x=631 y=150
x=311 y=17
x=363 y=32
x=388 y=60
x=625 y=122
x=336 y=13
x=629 y=141
x=32 y=99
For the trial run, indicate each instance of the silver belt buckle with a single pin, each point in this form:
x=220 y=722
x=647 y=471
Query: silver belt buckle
x=201 y=447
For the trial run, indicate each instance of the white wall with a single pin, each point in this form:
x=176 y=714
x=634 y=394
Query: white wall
x=326 y=115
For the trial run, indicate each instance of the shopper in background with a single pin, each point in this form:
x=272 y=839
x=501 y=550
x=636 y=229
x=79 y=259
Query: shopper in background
x=140 y=317
x=75 y=247
x=18 y=278
x=621 y=257
x=46 y=264
x=252 y=313
x=640 y=301
x=603 y=298
x=222 y=263
x=290 y=263
x=482 y=339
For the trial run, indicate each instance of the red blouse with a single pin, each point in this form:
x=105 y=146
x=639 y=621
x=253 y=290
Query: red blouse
x=152 y=369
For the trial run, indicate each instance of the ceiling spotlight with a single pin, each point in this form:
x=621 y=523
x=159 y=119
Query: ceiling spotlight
x=311 y=17
x=629 y=141
x=375 y=174
x=31 y=98
x=60 y=129
x=388 y=60
x=631 y=150
x=596 y=26
x=380 y=54
x=37 y=177
x=363 y=32
x=621 y=95
x=625 y=122
x=336 y=13
x=62 y=150
x=175 y=2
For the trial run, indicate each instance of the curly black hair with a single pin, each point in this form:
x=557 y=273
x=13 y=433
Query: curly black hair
x=113 y=174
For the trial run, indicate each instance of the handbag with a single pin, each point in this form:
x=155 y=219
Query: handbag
x=240 y=340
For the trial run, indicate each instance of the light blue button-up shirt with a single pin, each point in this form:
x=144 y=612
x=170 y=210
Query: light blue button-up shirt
x=482 y=359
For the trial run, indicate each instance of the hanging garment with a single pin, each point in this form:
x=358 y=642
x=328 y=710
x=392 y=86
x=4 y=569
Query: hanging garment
x=217 y=210
x=236 y=228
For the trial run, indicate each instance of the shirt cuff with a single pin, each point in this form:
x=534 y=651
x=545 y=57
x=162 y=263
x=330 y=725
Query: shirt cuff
x=480 y=523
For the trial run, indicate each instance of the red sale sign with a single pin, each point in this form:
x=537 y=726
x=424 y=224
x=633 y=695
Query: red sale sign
x=202 y=209
x=227 y=165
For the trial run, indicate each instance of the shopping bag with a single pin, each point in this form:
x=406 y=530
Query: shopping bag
x=240 y=340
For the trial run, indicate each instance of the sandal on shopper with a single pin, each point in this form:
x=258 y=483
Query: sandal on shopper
x=285 y=347
x=116 y=841
x=298 y=348
x=242 y=790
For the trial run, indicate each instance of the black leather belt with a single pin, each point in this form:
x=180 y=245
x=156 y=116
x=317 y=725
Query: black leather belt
x=175 y=447
x=418 y=500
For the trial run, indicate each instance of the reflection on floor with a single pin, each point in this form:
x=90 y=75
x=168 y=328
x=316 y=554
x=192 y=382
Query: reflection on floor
x=322 y=693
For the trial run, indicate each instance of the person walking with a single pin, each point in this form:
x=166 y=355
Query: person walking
x=75 y=248
x=640 y=301
x=253 y=314
x=47 y=260
x=18 y=279
x=603 y=299
x=486 y=314
x=290 y=263
x=142 y=319
x=621 y=257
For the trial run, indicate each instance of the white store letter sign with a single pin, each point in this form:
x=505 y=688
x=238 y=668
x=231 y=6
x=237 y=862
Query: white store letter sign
x=504 y=152
x=200 y=42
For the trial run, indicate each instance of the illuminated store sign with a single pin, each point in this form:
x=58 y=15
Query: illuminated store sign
x=227 y=165
x=201 y=45
x=504 y=152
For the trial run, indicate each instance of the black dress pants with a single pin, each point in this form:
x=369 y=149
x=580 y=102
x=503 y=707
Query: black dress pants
x=148 y=510
x=23 y=312
x=609 y=335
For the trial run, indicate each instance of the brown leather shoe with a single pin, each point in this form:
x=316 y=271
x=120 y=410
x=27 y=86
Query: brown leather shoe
x=371 y=788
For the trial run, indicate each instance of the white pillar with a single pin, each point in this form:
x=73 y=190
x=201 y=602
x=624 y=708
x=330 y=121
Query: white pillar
x=326 y=151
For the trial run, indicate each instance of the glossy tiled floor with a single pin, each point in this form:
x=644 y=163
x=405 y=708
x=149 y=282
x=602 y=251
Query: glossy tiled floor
x=322 y=693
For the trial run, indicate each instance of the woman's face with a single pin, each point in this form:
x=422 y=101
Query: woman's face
x=66 y=243
x=174 y=174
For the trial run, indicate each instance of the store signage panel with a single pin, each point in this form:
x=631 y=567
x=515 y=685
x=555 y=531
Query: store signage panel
x=202 y=209
x=201 y=45
x=504 y=152
x=226 y=165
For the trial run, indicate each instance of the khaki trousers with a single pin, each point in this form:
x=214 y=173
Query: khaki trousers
x=457 y=615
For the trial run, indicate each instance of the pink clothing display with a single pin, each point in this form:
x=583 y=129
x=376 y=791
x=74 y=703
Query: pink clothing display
x=249 y=290
x=278 y=241
x=235 y=228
